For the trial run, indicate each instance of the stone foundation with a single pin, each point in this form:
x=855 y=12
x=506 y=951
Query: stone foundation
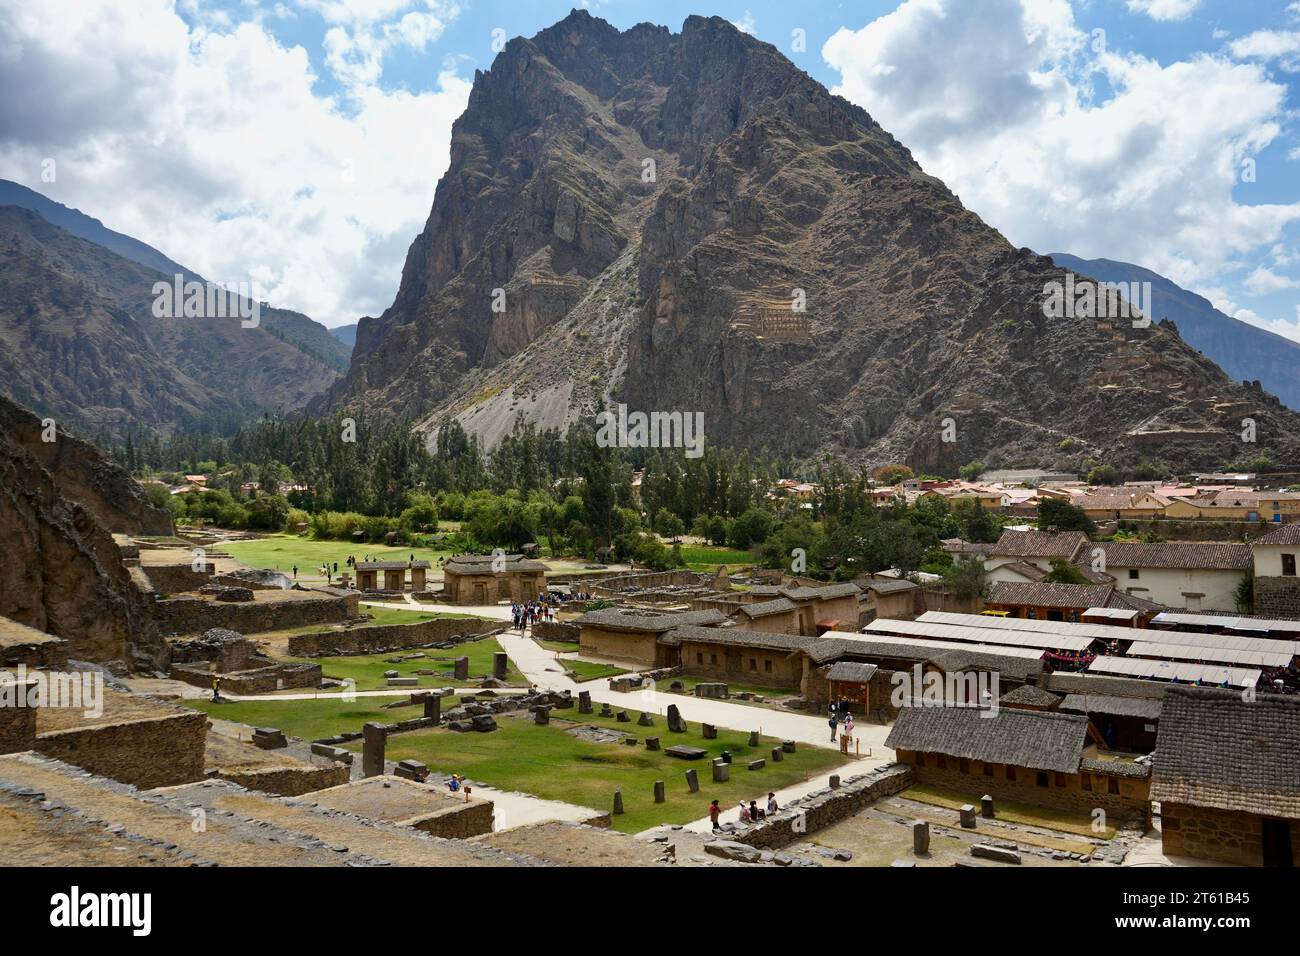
x=1221 y=835
x=387 y=637
x=1277 y=597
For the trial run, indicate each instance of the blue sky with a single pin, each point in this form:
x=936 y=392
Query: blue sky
x=297 y=143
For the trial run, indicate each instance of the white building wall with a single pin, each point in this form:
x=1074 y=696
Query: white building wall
x=1169 y=586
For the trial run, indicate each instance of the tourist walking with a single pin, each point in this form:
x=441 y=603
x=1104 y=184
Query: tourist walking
x=295 y=572
x=848 y=725
x=715 y=811
x=835 y=723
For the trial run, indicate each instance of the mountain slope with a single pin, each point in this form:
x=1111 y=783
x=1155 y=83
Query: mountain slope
x=675 y=294
x=60 y=502
x=308 y=336
x=82 y=345
x=1244 y=351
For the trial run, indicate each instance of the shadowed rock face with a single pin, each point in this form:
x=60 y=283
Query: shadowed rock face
x=62 y=572
x=675 y=293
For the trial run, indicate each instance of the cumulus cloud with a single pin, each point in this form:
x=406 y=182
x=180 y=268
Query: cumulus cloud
x=1280 y=46
x=1263 y=281
x=1001 y=102
x=211 y=143
x=1164 y=9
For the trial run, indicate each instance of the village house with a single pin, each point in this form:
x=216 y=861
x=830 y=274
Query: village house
x=632 y=634
x=1045 y=601
x=479 y=579
x=755 y=658
x=1115 y=503
x=800 y=609
x=1192 y=576
x=1276 y=586
x=1227 y=776
x=1037 y=549
x=889 y=598
x=1031 y=756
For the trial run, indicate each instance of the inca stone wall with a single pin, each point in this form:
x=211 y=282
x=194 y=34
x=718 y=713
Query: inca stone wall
x=153 y=752
x=467 y=820
x=386 y=637
x=824 y=808
x=187 y=615
x=176 y=578
x=261 y=680
x=17 y=729
x=556 y=631
x=288 y=781
x=1222 y=835
x=1277 y=597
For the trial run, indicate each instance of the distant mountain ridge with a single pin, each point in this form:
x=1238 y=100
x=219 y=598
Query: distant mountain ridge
x=298 y=330
x=1246 y=352
x=79 y=342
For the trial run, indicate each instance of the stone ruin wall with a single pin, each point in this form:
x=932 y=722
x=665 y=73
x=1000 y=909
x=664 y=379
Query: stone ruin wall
x=288 y=781
x=154 y=752
x=187 y=615
x=824 y=808
x=386 y=637
x=1277 y=597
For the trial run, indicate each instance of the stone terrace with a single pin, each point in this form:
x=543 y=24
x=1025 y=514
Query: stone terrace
x=53 y=813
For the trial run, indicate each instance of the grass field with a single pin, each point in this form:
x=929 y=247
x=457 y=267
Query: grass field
x=282 y=551
x=705 y=558
x=368 y=669
x=547 y=762
x=590 y=670
x=311 y=719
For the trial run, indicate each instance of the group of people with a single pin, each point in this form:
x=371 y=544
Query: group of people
x=841 y=716
x=749 y=812
x=526 y=615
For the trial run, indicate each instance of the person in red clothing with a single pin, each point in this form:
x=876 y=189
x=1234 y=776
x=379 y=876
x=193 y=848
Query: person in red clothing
x=715 y=811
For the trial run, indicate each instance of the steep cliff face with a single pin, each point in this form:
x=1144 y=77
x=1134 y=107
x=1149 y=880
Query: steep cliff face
x=60 y=503
x=788 y=270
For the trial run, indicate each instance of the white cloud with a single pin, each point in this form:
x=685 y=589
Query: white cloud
x=1269 y=45
x=1164 y=9
x=1264 y=281
x=211 y=144
x=998 y=101
x=746 y=23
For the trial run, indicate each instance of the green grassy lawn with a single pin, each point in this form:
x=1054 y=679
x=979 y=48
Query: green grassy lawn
x=368 y=669
x=590 y=670
x=282 y=551
x=401 y=615
x=705 y=558
x=312 y=719
x=560 y=647
x=1064 y=821
x=549 y=763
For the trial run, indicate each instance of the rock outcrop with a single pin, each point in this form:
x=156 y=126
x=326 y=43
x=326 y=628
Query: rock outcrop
x=63 y=573
x=632 y=216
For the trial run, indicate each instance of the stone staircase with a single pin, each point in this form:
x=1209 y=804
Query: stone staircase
x=55 y=814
